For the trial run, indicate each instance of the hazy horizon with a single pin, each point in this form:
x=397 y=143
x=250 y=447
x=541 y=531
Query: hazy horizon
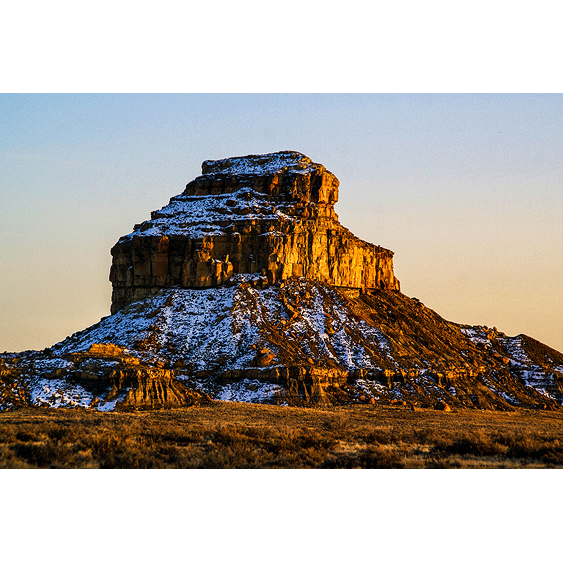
x=464 y=189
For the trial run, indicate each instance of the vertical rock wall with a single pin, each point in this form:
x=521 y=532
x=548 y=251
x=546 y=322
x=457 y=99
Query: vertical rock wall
x=266 y=214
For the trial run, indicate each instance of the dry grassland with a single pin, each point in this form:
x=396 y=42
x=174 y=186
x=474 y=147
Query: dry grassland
x=238 y=435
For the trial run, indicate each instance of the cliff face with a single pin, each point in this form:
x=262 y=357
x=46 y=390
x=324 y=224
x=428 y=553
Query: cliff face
x=268 y=214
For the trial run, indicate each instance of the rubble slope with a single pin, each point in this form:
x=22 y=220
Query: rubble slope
x=295 y=342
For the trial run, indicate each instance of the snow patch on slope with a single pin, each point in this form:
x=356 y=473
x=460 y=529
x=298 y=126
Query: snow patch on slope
x=224 y=328
x=476 y=336
x=242 y=391
x=58 y=393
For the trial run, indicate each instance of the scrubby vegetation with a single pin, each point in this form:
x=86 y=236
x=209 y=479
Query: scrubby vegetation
x=237 y=435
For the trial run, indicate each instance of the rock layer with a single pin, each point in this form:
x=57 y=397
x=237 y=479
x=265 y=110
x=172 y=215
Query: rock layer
x=268 y=214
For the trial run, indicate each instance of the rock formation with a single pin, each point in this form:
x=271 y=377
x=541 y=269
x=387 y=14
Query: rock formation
x=246 y=287
x=270 y=214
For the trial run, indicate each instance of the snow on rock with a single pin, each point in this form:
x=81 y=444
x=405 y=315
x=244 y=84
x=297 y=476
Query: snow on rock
x=260 y=164
x=514 y=348
x=247 y=287
x=210 y=215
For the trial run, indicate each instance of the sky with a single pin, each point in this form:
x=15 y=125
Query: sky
x=466 y=189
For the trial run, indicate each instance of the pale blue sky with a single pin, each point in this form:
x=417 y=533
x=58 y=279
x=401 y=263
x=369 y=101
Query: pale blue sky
x=467 y=190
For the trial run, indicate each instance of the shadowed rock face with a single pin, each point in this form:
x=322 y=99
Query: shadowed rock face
x=270 y=214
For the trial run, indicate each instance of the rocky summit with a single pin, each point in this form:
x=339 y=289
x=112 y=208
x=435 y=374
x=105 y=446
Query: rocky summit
x=245 y=287
x=271 y=215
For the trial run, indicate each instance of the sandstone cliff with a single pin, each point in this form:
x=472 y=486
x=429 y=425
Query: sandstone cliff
x=269 y=214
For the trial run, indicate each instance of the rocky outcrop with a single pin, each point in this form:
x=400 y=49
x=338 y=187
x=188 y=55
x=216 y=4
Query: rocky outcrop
x=103 y=376
x=271 y=215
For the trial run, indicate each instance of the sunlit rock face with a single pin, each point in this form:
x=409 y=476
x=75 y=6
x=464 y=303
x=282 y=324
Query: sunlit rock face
x=271 y=215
